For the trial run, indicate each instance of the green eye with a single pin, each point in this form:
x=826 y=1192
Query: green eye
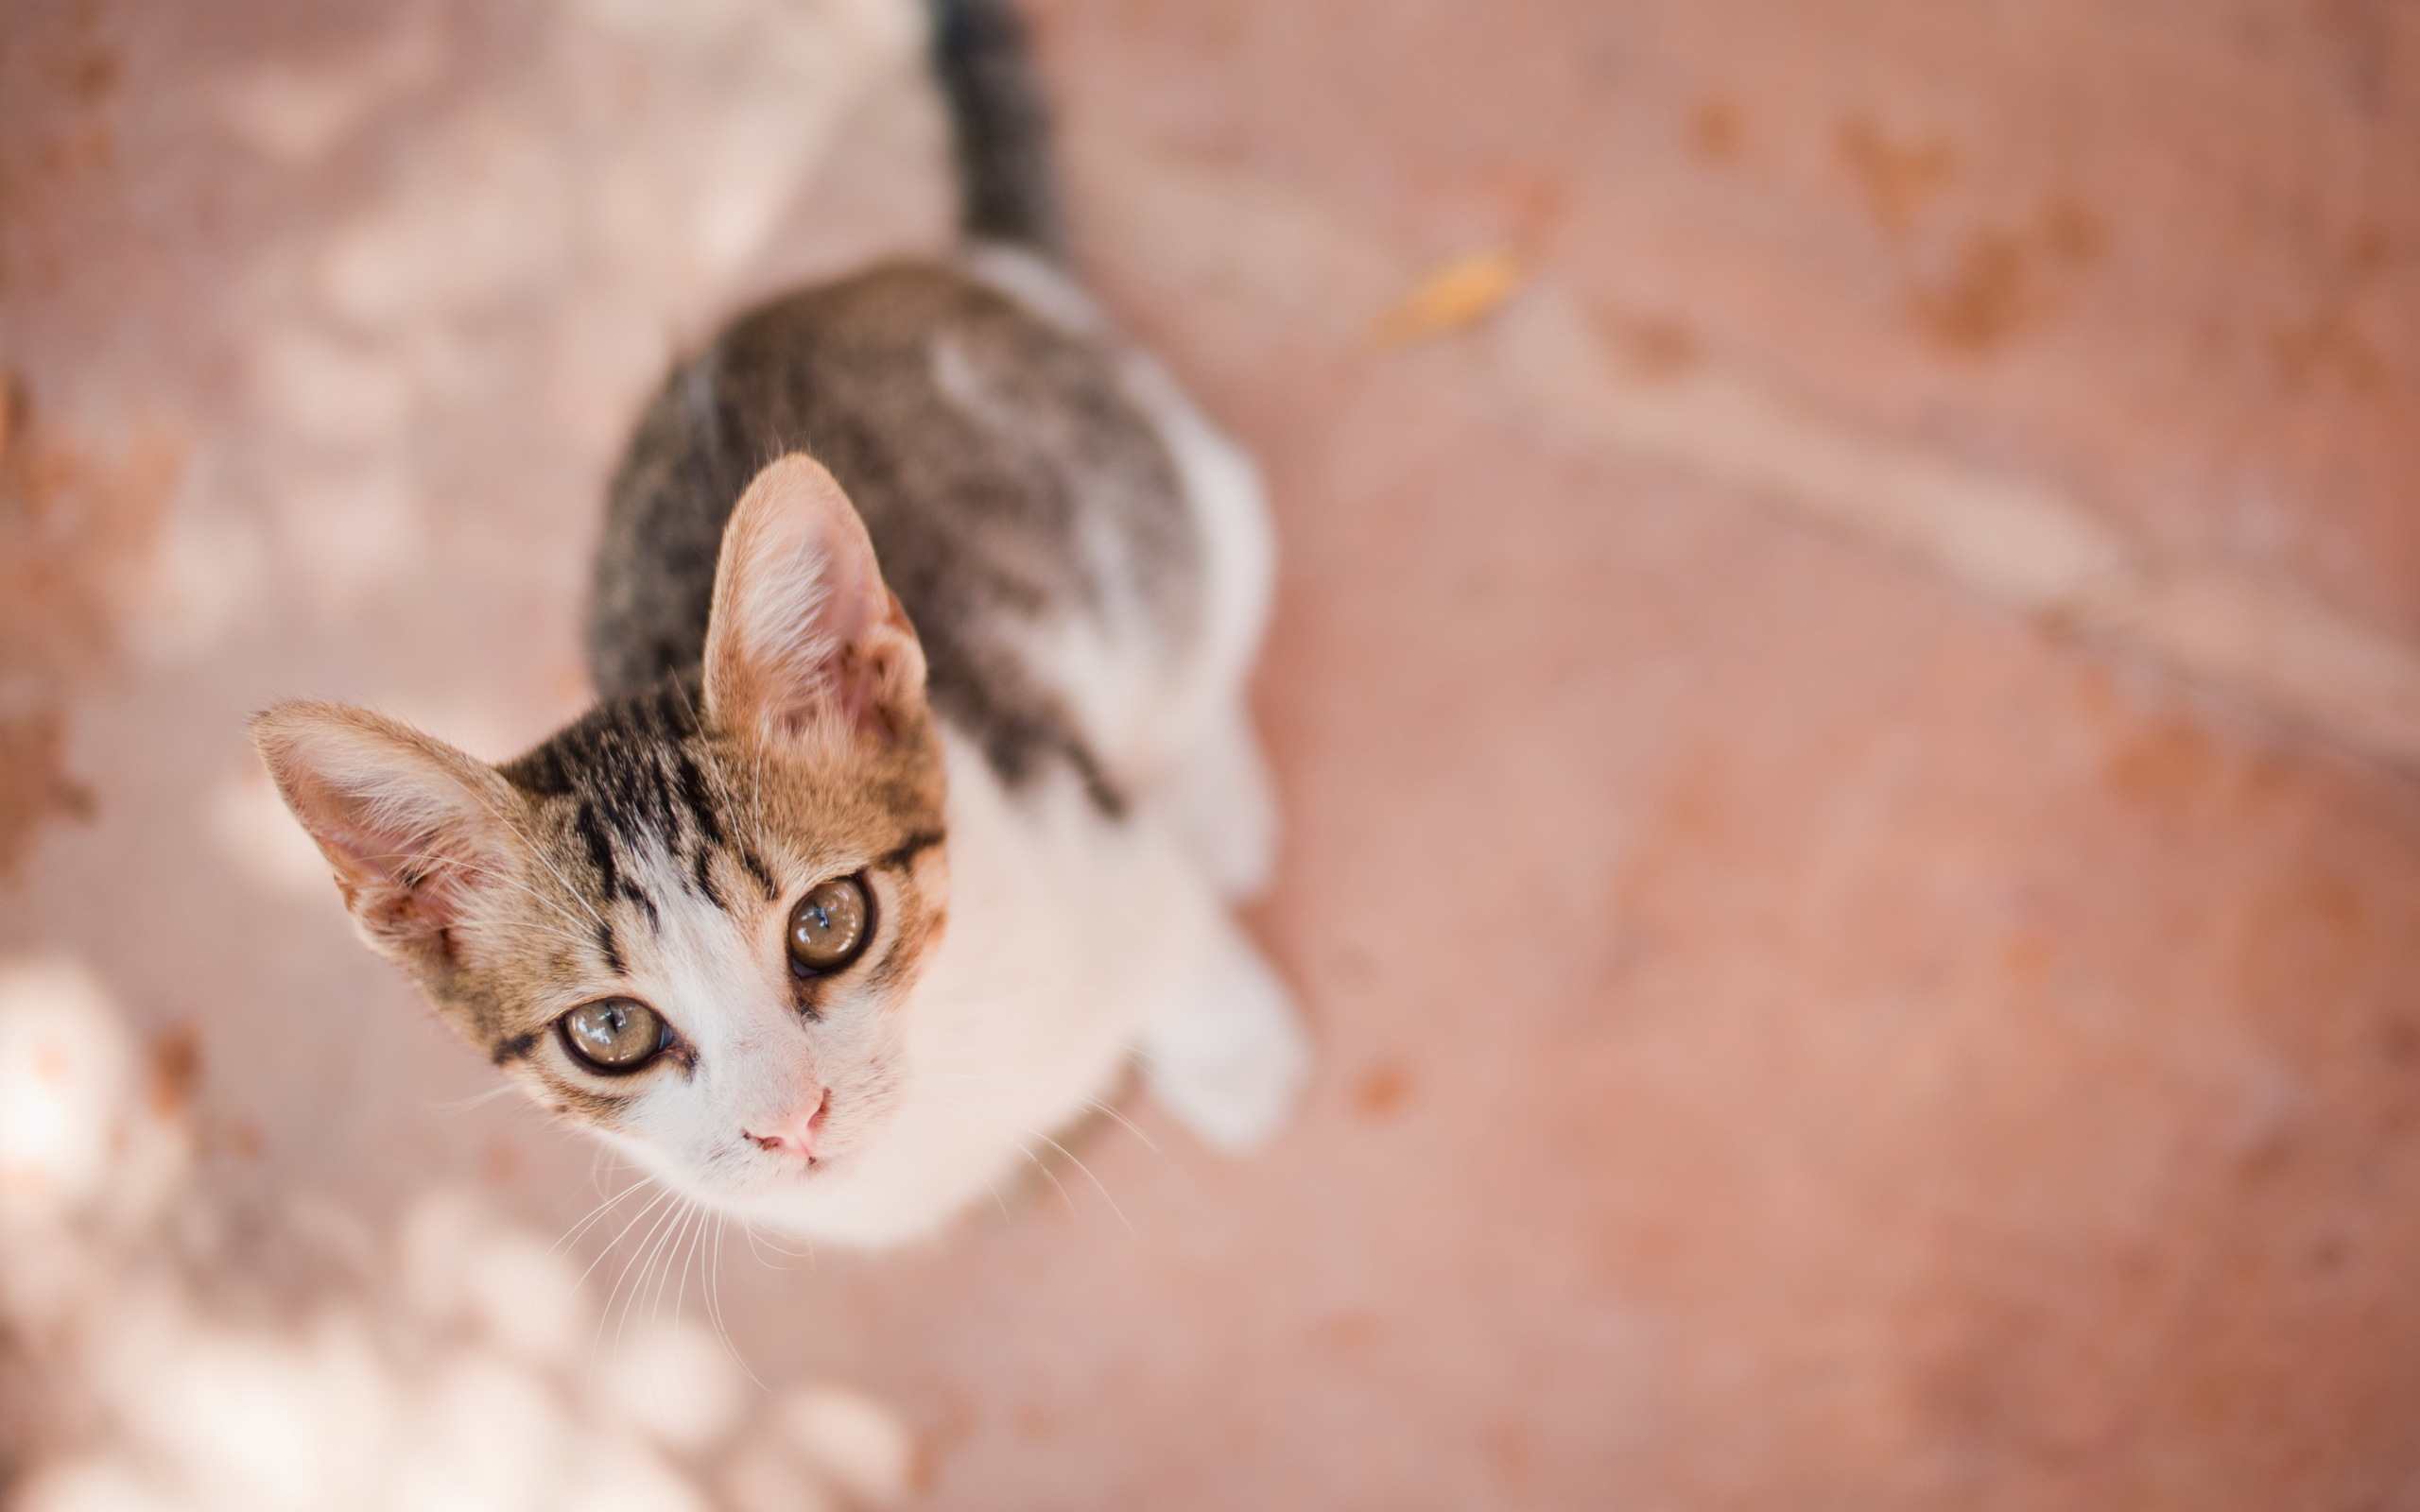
x=614 y=1035
x=829 y=926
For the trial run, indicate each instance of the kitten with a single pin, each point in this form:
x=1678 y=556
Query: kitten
x=921 y=778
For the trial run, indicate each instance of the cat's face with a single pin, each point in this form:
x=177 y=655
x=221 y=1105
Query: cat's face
x=691 y=920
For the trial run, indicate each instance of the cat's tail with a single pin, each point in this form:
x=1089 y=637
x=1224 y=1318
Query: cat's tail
x=1008 y=181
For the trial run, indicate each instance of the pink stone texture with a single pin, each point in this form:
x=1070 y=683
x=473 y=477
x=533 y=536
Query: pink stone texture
x=1794 y=1034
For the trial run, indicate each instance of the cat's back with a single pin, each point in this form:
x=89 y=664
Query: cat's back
x=1024 y=502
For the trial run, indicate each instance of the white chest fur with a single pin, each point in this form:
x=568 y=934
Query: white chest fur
x=1067 y=932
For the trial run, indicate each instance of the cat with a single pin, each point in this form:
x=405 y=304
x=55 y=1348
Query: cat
x=920 y=781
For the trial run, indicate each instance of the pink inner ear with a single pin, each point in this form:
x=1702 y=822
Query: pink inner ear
x=803 y=626
x=409 y=825
x=421 y=858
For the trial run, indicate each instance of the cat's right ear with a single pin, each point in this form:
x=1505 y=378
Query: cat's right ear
x=803 y=633
x=415 y=830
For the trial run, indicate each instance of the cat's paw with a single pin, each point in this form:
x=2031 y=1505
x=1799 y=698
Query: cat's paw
x=1228 y=1058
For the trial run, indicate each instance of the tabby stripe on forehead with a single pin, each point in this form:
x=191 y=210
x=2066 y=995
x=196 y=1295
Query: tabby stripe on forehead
x=661 y=775
x=693 y=789
x=601 y=853
x=652 y=800
x=763 y=873
x=600 y=850
x=910 y=849
x=673 y=707
x=700 y=873
x=701 y=813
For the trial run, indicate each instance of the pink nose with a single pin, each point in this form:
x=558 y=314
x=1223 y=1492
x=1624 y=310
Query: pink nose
x=796 y=1131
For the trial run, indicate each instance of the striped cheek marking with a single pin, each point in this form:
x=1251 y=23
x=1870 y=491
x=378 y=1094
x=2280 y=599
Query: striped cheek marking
x=586 y=1102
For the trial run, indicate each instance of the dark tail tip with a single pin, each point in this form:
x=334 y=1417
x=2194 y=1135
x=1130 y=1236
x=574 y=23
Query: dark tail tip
x=1007 y=183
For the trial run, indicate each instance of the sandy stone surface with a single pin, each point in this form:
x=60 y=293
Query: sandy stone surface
x=1799 y=1028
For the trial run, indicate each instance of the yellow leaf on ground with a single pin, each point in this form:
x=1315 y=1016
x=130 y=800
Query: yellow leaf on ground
x=1461 y=294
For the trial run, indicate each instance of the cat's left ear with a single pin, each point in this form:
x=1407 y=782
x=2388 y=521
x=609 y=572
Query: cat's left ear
x=804 y=632
x=417 y=832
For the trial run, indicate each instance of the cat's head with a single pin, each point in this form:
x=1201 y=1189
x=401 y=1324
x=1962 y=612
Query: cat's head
x=691 y=918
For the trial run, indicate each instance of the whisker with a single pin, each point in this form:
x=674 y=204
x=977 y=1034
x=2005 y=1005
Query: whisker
x=622 y=1275
x=714 y=1304
x=571 y=937
x=1073 y=1159
x=463 y=1105
x=597 y=1213
x=1092 y=1104
x=1039 y=1165
x=663 y=1277
x=599 y=1155
x=1088 y=1172
x=637 y=1257
x=531 y=843
x=660 y=1251
x=533 y=893
x=757 y=1241
x=681 y=1247
x=654 y=1243
x=615 y=1242
x=1128 y=1123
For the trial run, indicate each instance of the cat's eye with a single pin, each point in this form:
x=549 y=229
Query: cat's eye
x=829 y=926
x=614 y=1035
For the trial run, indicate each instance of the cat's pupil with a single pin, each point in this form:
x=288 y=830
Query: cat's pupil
x=614 y=1034
x=829 y=926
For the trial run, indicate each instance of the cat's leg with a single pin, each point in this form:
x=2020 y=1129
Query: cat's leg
x=1215 y=784
x=1226 y=1054
x=1219 y=799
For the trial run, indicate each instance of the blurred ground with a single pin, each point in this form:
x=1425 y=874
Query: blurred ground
x=1852 y=849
